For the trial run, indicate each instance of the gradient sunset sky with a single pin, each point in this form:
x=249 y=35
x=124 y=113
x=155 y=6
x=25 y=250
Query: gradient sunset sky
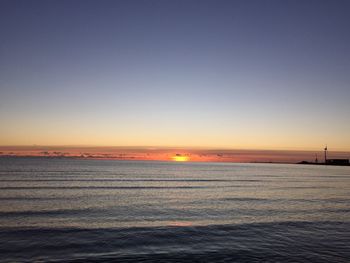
x=216 y=74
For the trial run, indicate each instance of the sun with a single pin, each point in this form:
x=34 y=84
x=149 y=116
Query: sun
x=180 y=158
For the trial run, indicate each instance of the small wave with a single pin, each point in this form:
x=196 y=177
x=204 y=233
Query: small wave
x=303 y=187
x=117 y=180
x=102 y=187
x=43 y=198
x=244 y=199
x=120 y=187
x=58 y=212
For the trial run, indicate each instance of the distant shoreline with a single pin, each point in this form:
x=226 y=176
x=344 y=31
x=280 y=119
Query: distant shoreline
x=134 y=159
x=325 y=164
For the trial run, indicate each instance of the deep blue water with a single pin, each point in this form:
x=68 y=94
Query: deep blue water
x=100 y=210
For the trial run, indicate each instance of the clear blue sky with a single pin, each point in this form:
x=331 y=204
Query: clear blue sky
x=231 y=74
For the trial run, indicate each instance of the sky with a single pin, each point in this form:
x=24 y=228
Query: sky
x=263 y=75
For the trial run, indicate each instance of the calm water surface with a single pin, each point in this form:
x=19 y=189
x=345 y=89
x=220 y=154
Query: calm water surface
x=101 y=210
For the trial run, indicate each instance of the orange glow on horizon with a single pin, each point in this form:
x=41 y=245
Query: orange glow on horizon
x=164 y=154
x=180 y=158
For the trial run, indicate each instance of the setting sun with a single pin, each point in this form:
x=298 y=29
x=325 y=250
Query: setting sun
x=180 y=158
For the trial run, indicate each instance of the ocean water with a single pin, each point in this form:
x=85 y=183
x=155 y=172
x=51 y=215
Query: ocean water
x=123 y=211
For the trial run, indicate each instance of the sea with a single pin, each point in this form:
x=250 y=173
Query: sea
x=80 y=210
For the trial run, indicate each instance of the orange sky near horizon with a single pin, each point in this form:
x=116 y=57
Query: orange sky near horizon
x=170 y=154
